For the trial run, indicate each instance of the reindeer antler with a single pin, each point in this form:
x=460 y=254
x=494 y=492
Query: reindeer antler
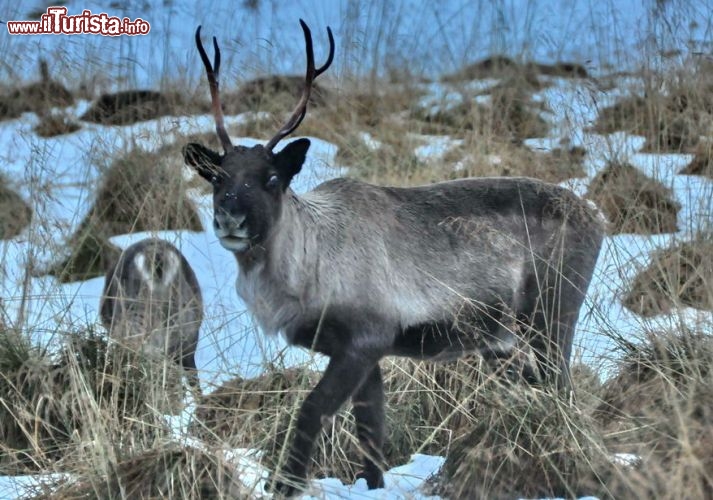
x=301 y=109
x=213 y=72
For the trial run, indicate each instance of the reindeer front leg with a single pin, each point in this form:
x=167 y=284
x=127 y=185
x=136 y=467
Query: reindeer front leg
x=345 y=373
x=368 y=402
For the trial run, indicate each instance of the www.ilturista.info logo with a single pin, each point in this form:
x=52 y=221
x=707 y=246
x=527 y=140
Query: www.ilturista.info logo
x=56 y=22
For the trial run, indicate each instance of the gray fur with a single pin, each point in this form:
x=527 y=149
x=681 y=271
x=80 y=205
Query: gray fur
x=152 y=302
x=359 y=272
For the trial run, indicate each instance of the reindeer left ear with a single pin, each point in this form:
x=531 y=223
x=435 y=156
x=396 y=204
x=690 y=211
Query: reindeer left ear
x=204 y=160
x=290 y=159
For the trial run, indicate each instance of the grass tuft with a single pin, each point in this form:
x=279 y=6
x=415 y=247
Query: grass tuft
x=659 y=405
x=525 y=443
x=674 y=113
x=15 y=213
x=54 y=405
x=678 y=276
x=164 y=471
x=633 y=202
x=139 y=192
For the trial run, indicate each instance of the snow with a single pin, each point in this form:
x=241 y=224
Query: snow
x=12 y=487
x=403 y=481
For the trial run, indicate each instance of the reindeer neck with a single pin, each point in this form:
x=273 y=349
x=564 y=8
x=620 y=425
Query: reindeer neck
x=289 y=234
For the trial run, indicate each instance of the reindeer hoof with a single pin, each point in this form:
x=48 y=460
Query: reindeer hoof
x=285 y=488
x=374 y=478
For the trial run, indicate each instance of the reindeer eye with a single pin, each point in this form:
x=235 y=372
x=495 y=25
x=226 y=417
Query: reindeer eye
x=272 y=182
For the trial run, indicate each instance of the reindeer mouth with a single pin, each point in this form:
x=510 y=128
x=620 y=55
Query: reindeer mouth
x=235 y=243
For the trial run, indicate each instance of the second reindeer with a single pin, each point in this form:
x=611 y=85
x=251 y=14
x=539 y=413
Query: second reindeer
x=152 y=303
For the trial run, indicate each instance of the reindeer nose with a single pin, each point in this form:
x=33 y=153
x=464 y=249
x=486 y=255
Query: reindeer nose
x=226 y=222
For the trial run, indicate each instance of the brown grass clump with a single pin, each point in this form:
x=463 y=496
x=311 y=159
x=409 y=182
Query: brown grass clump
x=139 y=192
x=660 y=406
x=375 y=108
x=633 y=202
x=702 y=163
x=563 y=69
x=510 y=114
x=393 y=160
x=274 y=93
x=38 y=97
x=166 y=471
x=499 y=66
x=673 y=119
x=483 y=157
x=91 y=255
x=587 y=387
x=258 y=413
x=144 y=191
x=496 y=66
x=679 y=276
x=90 y=392
x=56 y=124
x=15 y=213
x=525 y=443
x=657 y=117
x=27 y=390
x=131 y=106
x=514 y=113
x=244 y=411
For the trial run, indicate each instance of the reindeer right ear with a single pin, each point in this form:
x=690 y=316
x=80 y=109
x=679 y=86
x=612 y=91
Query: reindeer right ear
x=204 y=160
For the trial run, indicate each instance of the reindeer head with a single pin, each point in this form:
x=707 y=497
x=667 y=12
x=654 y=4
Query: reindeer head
x=249 y=183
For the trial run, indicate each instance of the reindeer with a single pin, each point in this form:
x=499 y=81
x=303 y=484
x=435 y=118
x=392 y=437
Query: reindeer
x=152 y=302
x=359 y=272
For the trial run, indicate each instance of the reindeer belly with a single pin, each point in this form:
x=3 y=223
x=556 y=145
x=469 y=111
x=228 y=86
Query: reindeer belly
x=458 y=320
x=485 y=329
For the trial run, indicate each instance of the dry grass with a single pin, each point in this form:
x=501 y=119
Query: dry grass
x=15 y=213
x=258 y=413
x=679 y=276
x=38 y=97
x=633 y=202
x=377 y=131
x=377 y=134
x=486 y=157
x=503 y=67
x=274 y=94
x=673 y=115
x=163 y=471
x=56 y=124
x=139 y=192
x=244 y=411
x=131 y=106
x=348 y=118
x=702 y=163
x=53 y=406
x=660 y=406
x=510 y=114
x=526 y=443
x=427 y=407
